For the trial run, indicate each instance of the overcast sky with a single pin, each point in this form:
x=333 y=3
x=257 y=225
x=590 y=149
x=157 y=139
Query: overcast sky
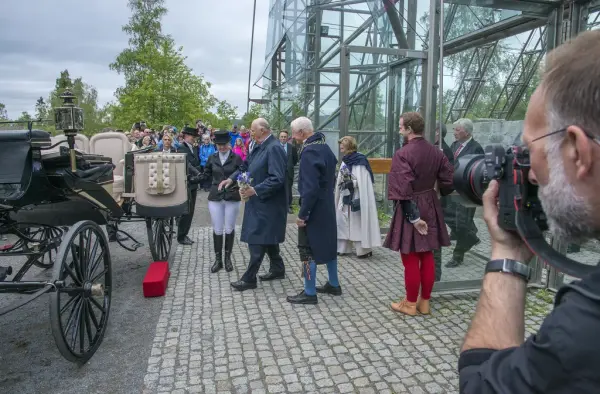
x=39 y=38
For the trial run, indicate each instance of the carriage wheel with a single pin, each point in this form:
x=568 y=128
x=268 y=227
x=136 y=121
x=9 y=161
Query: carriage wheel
x=160 y=237
x=44 y=234
x=79 y=307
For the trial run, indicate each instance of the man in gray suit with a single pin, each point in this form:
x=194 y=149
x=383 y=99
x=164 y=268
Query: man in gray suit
x=460 y=218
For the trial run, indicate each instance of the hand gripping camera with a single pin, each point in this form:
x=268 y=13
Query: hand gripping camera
x=520 y=210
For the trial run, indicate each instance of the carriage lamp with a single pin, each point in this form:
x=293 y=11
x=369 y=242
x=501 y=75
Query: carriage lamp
x=69 y=119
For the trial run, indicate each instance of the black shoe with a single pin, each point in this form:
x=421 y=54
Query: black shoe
x=240 y=285
x=329 y=289
x=365 y=256
x=185 y=241
x=229 y=240
x=218 y=264
x=303 y=298
x=271 y=276
x=453 y=263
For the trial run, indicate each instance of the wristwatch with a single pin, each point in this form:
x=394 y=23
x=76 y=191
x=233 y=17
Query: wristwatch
x=509 y=266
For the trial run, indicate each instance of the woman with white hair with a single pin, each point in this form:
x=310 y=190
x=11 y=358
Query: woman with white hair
x=356 y=213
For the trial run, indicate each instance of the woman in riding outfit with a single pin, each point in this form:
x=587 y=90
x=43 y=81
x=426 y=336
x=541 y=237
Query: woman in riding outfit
x=223 y=205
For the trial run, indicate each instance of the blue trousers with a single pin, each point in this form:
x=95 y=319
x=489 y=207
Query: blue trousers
x=310 y=273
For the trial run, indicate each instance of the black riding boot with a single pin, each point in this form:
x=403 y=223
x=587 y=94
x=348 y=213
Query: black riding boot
x=229 y=239
x=218 y=242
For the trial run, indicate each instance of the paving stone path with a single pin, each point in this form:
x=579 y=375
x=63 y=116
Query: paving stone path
x=210 y=339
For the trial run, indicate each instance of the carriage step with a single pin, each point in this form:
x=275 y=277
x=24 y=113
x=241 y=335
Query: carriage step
x=6 y=247
x=4 y=272
x=156 y=279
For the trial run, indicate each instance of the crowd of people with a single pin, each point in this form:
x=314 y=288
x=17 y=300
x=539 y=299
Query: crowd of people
x=420 y=180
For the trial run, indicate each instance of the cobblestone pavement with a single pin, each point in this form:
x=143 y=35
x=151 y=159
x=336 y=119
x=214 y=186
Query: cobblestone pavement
x=210 y=339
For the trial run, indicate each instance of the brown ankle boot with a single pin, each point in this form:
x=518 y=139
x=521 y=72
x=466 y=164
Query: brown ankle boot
x=423 y=306
x=408 y=308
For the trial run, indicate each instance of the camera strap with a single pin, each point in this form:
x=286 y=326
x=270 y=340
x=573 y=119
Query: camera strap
x=535 y=240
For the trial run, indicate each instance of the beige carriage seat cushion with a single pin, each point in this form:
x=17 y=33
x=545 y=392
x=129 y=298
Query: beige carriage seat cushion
x=111 y=144
x=82 y=143
x=118 y=187
x=160 y=179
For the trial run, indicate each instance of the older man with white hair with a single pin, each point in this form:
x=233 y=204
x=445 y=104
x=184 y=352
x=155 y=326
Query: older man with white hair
x=265 y=211
x=458 y=217
x=317 y=229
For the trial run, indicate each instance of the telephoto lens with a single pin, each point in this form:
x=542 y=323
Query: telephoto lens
x=470 y=180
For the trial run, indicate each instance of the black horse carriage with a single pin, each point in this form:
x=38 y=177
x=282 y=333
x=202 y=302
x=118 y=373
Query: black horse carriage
x=53 y=200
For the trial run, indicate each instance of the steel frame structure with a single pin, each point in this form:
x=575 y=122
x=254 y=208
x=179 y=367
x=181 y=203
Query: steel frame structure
x=354 y=66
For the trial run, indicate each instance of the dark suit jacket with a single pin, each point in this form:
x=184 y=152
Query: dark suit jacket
x=316 y=182
x=292 y=160
x=472 y=148
x=217 y=172
x=193 y=163
x=265 y=214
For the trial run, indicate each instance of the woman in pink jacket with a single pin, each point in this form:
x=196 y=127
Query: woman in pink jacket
x=239 y=149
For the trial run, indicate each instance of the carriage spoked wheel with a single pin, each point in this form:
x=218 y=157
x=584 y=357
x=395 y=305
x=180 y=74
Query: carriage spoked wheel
x=42 y=234
x=80 y=305
x=160 y=237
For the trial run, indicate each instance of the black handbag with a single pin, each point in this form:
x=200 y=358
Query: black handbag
x=355 y=205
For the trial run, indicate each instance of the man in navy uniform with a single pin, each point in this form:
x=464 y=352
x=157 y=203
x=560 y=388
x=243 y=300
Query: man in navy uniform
x=317 y=226
x=265 y=212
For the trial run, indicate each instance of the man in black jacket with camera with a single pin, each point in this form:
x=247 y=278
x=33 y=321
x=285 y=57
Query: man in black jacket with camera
x=562 y=133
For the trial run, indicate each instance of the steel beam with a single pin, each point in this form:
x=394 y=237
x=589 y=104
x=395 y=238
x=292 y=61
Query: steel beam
x=394 y=18
x=407 y=53
x=430 y=82
x=537 y=6
x=497 y=31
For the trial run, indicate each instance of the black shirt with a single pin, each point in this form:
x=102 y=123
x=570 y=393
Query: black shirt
x=562 y=357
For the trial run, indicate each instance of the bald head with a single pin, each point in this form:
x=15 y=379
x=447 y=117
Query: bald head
x=260 y=129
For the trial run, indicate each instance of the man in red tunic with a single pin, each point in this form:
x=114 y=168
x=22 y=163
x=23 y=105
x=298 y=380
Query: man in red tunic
x=417 y=227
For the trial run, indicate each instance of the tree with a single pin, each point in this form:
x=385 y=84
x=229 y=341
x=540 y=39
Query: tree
x=41 y=109
x=254 y=112
x=3 y=112
x=466 y=20
x=159 y=87
x=226 y=113
x=87 y=99
x=25 y=117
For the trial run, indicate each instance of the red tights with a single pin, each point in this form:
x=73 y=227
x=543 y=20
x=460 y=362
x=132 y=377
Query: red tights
x=419 y=272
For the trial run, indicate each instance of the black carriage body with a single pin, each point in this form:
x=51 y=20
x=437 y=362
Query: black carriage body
x=23 y=179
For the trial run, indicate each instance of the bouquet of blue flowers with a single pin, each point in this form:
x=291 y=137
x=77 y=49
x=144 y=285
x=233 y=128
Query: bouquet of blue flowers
x=244 y=181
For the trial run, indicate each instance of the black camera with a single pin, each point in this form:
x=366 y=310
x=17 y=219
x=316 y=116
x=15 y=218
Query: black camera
x=510 y=167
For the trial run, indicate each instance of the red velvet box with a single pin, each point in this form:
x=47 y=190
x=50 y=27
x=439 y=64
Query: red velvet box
x=156 y=279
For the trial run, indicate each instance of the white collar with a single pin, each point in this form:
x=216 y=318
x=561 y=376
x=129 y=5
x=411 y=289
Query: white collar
x=466 y=142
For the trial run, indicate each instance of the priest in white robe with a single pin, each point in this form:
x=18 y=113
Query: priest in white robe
x=356 y=209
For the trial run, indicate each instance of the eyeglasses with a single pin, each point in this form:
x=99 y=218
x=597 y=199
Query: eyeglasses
x=587 y=134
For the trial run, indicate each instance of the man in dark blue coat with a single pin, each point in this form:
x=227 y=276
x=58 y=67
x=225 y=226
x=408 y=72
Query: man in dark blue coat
x=317 y=228
x=265 y=213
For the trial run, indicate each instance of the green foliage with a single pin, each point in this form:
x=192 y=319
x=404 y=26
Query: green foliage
x=159 y=87
x=25 y=117
x=3 y=112
x=254 y=112
x=42 y=110
x=466 y=20
x=87 y=98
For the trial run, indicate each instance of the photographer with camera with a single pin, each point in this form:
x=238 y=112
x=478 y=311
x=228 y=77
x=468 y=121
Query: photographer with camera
x=562 y=135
